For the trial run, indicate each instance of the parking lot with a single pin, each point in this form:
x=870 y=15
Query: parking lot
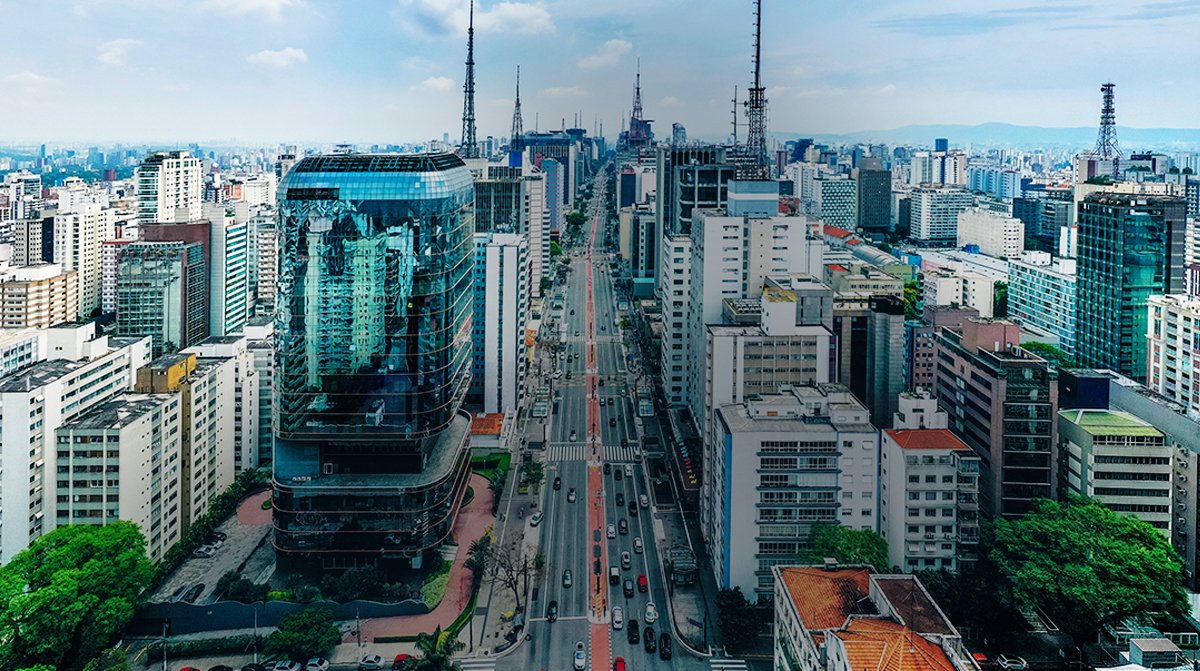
x=245 y=548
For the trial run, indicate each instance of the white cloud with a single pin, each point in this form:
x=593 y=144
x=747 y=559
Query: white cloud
x=576 y=91
x=610 y=54
x=278 y=59
x=439 y=83
x=271 y=9
x=29 y=80
x=890 y=88
x=776 y=91
x=442 y=18
x=80 y=12
x=669 y=100
x=799 y=70
x=116 y=52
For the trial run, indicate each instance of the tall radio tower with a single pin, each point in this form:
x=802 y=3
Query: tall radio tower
x=514 y=142
x=470 y=148
x=755 y=167
x=1106 y=141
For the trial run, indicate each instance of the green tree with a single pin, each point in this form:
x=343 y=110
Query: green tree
x=555 y=249
x=544 y=285
x=576 y=219
x=533 y=472
x=304 y=634
x=436 y=649
x=359 y=582
x=1000 y=301
x=113 y=659
x=740 y=623
x=847 y=546
x=66 y=597
x=1054 y=355
x=912 y=296
x=1086 y=565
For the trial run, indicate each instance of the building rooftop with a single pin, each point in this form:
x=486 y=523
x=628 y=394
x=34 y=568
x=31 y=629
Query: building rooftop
x=487 y=425
x=120 y=412
x=926 y=439
x=379 y=163
x=221 y=340
x=835 y=231
x=824 y=599
x=884 y=645
x=1109 y=423
x=913 y=605
x=39 y=375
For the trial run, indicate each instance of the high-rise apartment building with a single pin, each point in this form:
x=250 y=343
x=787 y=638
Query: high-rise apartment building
x=921 y=337
x=246 y=388
x=161 y=291
x=80 y=372
x=836 y=198
x=501 y=310
x=1130 y=248
x=228 y=274
x=869 y=335
x=933 y=214
x=994 y=233
x=1041 y=296
x=110 y=251
x=1001 y=401
x=1173 y=352
x=372 y=355
x=263 y=262
x=77 y=239
x=874 y=196
x=170 y=188
x=21 y=348
x=38 y=296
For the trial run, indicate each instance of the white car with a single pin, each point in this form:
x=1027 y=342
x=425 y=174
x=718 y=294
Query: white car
x=651 y=613
x=637 y=545
x=286 y=665
x=612 y=531
x=1012 y=663
x=370 y=663
x=317 y=664
x=580 y=657
x=644 y=501
x=628 y=471
x=618 y=617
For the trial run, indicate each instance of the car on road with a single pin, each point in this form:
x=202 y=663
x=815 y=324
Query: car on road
x=633 y=509
x=577 y=334
x=610 y=400
x=204 y=551
x=567 y=578
x=401 y=662
x=651 y=613
x=573 y=436
x=286 y=665
x=618 y=617
x=572 y=312
x=612 y=531
x=552 y=611
x=619 y=664
x=623 y=527
x=648 y=637
x=557 y=483
x=617 y=474
x=643 y=585
x=637 y=545
x=614 y=575
x=628 y=471
x=370 y=663
x=1012 y=663
x=644 y=501
x=535 y=519
x=317 y=664
x=664 y=646
x=612 y=421
x=580 y=657
x=192 y=594
x=627 y=588
x=607 y=468
x=620 y=499
x=602 y=327
x=633 y=632
x=571 y=495
x=626 y=563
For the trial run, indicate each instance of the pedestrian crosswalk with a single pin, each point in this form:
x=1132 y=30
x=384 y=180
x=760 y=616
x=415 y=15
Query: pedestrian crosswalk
x=602 y=337
x=477 y=664
x=728 y=665
x=583 y=452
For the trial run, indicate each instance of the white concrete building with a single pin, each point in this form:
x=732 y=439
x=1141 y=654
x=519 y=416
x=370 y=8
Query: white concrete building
x=783 y=461
x=38 y=296
x=228 y=291
x=501 y=306
x=930 y=501
x=933 y=214
x=110 y=252
x=121 y=460
x=81 y=371
x=77 y=239
x=837 y=199
x=259 y=189
x=260 y=338
x=537 y=224
x=1173 y=349
x=996 y=234
x=246 y=419
x=170 y=188
x=674 y=295
x=1041 y=297
x=20 y=349
x=954 y=286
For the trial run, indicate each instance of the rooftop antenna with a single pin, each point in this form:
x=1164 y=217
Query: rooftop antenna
x=735 y=119
x=517 y=131
x=470 y=148
x=1106 y=141
x=756 y=113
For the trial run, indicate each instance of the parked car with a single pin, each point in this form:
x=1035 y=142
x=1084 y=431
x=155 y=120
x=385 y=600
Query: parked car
x=371 y=663
x=317 y=664
x=287 y=665
x=664 y=646
x=552 y=611
x=204 y=551
x=536 y=519
x=1012 y=663
x=618 y=617
x=651 y=613
x=401 y=662
x=192 y=594
x=580 y=656
x=648 y=637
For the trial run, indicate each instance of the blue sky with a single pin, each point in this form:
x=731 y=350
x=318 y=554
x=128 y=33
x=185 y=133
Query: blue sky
x=265 y=71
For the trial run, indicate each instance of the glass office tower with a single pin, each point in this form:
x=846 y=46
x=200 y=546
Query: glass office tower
x=372 y=355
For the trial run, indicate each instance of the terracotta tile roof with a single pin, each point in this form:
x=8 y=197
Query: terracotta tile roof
x=837 y=267
x=835 y=231
x=825 y=598
x=487 y=425
x=926 y=439
x=854 y=242
x=884 y=645
x=913 y=605
x=530 y=337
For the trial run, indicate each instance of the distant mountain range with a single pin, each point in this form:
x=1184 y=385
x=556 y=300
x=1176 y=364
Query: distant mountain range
x=1003 y=134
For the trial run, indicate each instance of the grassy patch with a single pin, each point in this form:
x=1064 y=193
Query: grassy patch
x=395 y=639
x=456 y=627
x=469 y=496
x=489 y=464
x=435 y=585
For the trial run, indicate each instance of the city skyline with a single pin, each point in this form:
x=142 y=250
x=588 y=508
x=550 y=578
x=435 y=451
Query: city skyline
x=151 y=70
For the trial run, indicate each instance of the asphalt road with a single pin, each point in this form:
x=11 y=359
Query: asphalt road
x=573 y=534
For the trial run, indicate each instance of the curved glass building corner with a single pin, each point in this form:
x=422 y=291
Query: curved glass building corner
x=372 y=352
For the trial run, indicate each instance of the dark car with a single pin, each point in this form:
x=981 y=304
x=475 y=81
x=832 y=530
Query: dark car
x=557 y=484
x=607 y=468
x=219 y=535
x=552 y=611
x=620 y=499
x=664 y=646
x=627 y=588
x=617 y=474
x=192 y=594
x=612 y=421
x=633 y=508
x=648 y=637
x=633 y=632
x=623 y=527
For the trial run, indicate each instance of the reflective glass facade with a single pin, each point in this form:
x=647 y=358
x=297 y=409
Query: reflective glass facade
x=372 y=351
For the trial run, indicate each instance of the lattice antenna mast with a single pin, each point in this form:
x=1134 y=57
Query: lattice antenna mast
x=637 y=92
x=1106 y=141
x=470 y=147
x=756 y=113
x=517 y=130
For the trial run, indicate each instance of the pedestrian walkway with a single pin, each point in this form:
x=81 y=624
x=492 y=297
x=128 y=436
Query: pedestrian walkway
x=477 y=664
x=581 y=452
x=618 y=454
x=728 y=665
